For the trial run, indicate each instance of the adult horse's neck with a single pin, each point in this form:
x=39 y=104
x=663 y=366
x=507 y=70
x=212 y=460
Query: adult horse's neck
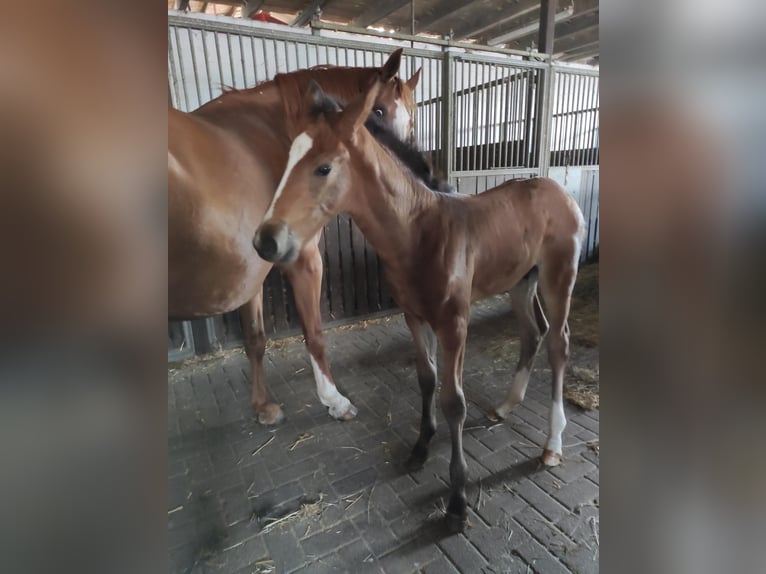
x=283 y=99
x=387 y=203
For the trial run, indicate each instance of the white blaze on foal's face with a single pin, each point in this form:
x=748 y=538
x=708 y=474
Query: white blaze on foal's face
x=299 y=148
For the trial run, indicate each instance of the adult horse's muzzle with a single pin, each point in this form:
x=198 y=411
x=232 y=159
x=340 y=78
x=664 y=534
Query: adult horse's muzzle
x=275 y=243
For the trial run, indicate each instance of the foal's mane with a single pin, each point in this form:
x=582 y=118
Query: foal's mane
x=407 y=152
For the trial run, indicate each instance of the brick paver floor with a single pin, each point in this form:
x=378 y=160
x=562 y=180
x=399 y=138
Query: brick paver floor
x=245 y=498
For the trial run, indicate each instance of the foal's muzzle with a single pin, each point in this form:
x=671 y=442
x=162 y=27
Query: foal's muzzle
x=275 y=243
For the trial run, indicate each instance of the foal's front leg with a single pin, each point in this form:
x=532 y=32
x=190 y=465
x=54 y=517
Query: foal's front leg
x=452 y=338
x=425 y=363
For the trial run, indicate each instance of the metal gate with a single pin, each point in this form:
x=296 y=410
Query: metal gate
x=493 y=125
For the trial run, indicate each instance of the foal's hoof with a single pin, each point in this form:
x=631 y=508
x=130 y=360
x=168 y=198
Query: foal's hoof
x=551 y=458
x=344 y=414
x=270 y=414
x=417 y=459
x=456 y=522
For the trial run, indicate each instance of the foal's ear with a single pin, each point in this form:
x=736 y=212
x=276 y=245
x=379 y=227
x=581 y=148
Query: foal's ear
x=318 y=101
x=413 y=81
x=391 y=67
x=355 y=114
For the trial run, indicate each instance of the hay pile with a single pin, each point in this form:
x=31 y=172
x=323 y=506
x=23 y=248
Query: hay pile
x=583 y=316
x=582 y=388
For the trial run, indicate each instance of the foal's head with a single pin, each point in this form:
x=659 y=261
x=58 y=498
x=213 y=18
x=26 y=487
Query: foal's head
x=316 y=182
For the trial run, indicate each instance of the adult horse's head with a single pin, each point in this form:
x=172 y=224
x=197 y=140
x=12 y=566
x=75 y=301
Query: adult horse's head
x=394 y=105
x=315 y=185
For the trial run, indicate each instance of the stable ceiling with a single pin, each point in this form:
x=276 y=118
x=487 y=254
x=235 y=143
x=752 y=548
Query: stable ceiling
x=501 y=23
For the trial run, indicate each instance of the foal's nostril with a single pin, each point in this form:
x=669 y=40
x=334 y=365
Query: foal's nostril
x=266 y=246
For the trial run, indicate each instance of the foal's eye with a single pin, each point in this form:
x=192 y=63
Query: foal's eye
x=378 y=112
x=323 y=170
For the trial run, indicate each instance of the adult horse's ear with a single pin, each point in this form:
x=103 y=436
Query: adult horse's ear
x=391 y=67
x=413 y=81
x=353 y=117
x=317 y=100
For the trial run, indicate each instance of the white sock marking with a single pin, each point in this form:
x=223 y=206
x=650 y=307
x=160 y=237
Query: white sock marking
x=329 y=395
x=299 y=148
x=401 y=121
x=557 y=423
x=515 y=394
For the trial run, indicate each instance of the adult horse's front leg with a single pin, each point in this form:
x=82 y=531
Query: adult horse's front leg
x=425 y=362
x=452 y=338
x=251 y=317
x=305 y=276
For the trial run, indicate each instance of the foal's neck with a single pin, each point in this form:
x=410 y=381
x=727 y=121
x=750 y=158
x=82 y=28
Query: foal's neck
x=394 y=200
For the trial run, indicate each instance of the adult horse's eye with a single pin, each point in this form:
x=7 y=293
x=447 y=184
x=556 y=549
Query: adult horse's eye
x=378 y=112
x=323 y=170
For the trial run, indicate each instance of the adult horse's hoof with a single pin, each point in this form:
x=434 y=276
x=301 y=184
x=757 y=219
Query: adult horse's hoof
x=270 y=414
x=456 y=522
x=551 y=458
x=496 y=415
x=344 y=414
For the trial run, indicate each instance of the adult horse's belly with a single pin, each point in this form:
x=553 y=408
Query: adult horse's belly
x=212 y=265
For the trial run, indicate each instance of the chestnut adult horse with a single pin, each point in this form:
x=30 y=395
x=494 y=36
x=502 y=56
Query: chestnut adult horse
x=440 y=252
x=224 y=164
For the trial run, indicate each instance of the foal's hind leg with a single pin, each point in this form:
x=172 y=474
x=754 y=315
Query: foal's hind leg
x=425 y=362
x=533 y=327
x=305 y=275
x=251 y=317
x=557 y=278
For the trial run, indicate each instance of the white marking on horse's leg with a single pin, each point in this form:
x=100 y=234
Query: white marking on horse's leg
x=328 y=393
x=401 y=123
x=515 y=394
x=299 y=148
x=557 y=423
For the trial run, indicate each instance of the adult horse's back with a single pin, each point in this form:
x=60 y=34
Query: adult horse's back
x=224 y=164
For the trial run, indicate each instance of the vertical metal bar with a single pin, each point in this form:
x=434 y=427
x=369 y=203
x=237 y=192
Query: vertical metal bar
x=504 y=135
x=594 y=119
x=514 y=112
x=207 y=65
x=491 y=118
x=597 y=124
x=529 y=126
x=194 y=66
x=577 y=122
x=255 y=61
x=231 y=60
x=218 y=59
x=570 y=119
x=586 y=120
x=172 y=73
x=545 y=146
x=242 y=60
x=448 y=140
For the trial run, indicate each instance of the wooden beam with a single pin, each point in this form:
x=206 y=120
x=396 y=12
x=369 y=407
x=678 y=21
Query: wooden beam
x=439 y=12
x=483 y=23
x=377 y=11
x=581 y=52
x=575 y=41
x=580 y=27
x=547 y=26
x=582 y=8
